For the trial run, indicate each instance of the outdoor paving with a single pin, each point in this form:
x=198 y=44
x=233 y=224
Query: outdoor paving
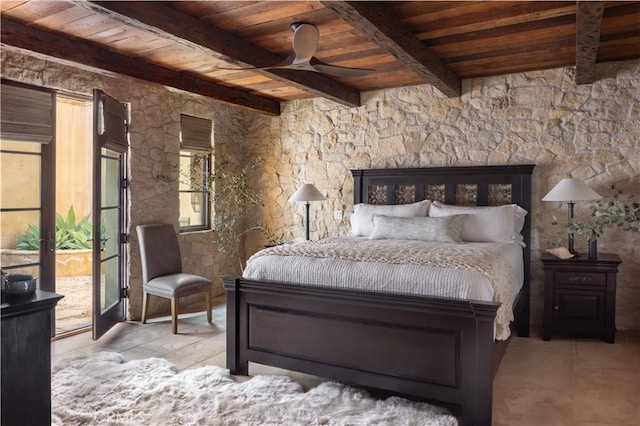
x=74 y=310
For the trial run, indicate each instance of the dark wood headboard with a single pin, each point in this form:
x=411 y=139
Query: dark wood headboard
x=469 y=185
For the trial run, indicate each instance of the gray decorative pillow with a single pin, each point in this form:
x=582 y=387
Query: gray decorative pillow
x=362 y=217
x=445 y=229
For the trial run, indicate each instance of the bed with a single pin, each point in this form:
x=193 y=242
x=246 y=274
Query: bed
x=423 y=347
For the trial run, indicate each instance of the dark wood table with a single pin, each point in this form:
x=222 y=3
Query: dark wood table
x=26 y=358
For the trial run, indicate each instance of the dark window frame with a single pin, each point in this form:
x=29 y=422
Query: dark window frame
x=195 y=139
x=203 y=191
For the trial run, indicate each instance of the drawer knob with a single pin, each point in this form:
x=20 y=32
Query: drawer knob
x=579 y=280
x=557 y=308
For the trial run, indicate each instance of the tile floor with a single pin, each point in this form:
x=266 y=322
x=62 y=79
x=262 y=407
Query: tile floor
x=561 y=382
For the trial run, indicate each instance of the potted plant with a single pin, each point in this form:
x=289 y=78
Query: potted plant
x=615 y=211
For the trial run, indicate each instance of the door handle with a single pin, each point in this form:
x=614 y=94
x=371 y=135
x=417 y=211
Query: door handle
x=48 y=247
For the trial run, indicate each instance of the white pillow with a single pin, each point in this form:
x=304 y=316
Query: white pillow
x=362 y=217
x=487 y=224
x=438 y=229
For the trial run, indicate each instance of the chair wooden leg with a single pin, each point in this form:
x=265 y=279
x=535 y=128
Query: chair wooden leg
x=208 y=298
x=145 y=306
x=174 y=315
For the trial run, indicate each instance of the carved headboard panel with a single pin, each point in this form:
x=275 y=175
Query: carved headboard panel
x=475 y=185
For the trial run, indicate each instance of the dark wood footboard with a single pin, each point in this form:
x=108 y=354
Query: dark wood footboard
x=429 y=348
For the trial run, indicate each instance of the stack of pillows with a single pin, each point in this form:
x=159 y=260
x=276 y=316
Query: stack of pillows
x=438 y=222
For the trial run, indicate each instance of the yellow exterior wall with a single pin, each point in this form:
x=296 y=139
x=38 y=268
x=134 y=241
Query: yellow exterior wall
x=74 y=139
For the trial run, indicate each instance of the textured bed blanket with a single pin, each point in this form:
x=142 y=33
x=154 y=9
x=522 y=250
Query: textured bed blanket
x=480 y=271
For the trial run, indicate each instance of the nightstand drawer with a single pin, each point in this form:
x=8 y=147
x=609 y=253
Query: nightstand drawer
x=580 y=278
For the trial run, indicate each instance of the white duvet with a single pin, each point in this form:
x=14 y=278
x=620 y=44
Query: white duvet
x=478 y=271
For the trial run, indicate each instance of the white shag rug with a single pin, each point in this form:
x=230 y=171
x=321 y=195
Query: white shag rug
x=103 y=389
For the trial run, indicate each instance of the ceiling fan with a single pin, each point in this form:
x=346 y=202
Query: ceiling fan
x=305 y=45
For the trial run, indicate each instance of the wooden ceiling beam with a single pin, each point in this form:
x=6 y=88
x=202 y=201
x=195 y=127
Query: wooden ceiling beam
x=588 y=20
x=48 y=43
x=186 y=30
x=374 y=20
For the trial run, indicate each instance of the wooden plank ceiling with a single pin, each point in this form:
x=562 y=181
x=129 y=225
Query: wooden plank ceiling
x=185 y=44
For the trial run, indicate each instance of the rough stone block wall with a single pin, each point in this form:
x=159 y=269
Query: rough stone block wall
x=591 y=132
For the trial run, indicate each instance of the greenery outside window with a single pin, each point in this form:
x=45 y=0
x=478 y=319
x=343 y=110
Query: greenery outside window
x=195 y=169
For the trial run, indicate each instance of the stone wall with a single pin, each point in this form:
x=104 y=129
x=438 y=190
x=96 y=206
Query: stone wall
x=591 y=132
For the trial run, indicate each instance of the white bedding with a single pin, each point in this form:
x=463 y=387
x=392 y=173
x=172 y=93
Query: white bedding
x=479 y=271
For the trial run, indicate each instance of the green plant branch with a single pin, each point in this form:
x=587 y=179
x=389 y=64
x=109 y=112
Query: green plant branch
x=233 y=197
x=616 y=211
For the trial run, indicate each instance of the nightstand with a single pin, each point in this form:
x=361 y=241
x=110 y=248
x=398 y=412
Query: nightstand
x=580 y=295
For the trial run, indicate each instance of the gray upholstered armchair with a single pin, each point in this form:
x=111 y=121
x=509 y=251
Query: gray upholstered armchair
x=162 y=274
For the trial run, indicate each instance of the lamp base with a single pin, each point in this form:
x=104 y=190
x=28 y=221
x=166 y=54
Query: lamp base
x=306 y=228
x=593 y=249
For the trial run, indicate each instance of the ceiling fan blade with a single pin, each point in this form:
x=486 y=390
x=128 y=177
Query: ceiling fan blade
x=305 y=44
x=324 y=68
x=284 y=63
x=313 y=66
x=305 y=41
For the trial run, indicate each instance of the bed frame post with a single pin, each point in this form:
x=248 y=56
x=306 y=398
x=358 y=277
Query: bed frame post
x=478 y=405
x=522 y=322
x=525 y=202
x=236 y=362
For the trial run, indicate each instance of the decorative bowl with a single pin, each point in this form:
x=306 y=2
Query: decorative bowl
x=20 y=284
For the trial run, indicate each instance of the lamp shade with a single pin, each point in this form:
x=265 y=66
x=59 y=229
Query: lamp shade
x=571 y=190
x=307 y=192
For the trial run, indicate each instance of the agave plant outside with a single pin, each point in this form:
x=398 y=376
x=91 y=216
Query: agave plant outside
x=69 y=234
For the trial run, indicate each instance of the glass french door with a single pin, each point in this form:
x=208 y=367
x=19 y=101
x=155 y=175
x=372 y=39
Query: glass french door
x=110 y=215
x=27 y=182
x=27 y=210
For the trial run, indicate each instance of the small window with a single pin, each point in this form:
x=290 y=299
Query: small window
x=195 y=174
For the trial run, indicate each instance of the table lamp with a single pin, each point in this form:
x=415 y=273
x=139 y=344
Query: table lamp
x=307 y=193
x=569 y=191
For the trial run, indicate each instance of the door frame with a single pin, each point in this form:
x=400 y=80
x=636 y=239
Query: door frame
x=103 y=120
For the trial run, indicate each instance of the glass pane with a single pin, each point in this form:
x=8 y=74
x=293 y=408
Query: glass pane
x=110 y=180
x=20 y=146
x=109 y=284
x=29 y=270
x=19 y=180
x=20 y=230
x=12 y=257
x=191 y=207
x=185 y=180
x=110 y=239
x=193 y=166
